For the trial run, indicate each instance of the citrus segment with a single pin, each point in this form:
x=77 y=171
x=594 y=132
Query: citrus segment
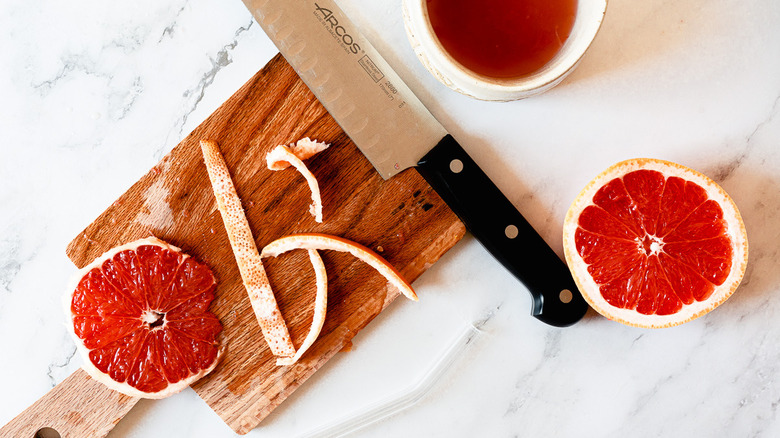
x=653 y=244
x=140 y=318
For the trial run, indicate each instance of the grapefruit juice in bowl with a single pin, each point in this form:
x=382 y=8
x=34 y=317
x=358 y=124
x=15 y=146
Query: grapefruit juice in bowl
x=501 y=49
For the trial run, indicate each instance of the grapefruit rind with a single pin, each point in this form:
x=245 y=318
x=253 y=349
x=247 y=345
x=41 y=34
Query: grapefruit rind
x=327 y=242
x=304 y=149
x=589 y=288
x=245 y=251
x=282 y=157
x=87 y=364
x=320 y=309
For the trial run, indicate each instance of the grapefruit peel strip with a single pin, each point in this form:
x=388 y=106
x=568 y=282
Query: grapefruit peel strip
x=304 y=149
x=281 y=157
x=324 y=241
x=320 y=308
x=248 y=259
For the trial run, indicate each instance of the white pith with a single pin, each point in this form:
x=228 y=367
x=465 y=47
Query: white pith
x=656 y=245
x=152 y=316
x=87 y=364
x=590 y=289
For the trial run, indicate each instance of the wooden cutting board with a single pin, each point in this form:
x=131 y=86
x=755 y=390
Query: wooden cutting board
x=403 y=219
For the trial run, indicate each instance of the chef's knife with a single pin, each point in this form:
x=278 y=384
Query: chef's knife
x=393 y=129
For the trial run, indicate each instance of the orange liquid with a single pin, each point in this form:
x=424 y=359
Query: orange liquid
x=502 y=38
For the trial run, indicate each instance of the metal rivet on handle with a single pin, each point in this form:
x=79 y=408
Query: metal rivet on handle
x=511 y=231
x=456 y=166
x=565 y=296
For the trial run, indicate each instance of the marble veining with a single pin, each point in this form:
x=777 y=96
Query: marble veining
x=723 y=173
x=9 y=262
x=95 y=93
x=59 y=365
x=220 y=60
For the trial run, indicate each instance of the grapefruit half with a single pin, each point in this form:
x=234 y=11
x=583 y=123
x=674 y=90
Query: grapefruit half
x=139 y=316
x=654 y=244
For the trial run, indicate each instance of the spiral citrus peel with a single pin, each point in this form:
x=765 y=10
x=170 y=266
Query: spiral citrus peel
x=250 y=264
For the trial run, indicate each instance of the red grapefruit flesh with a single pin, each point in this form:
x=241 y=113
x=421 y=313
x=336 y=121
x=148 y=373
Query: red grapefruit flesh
x=140 y=318
x=654 y=244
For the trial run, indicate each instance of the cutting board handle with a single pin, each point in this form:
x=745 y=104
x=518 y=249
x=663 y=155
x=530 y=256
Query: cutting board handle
x=79 y=407
x=506 y=234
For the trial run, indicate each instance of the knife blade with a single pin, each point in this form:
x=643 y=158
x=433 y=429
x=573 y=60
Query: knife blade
x=395 y=131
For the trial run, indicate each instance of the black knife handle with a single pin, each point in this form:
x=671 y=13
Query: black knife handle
x=500 y=228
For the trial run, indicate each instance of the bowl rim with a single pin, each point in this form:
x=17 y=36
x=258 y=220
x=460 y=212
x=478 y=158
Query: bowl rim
x=452 y=73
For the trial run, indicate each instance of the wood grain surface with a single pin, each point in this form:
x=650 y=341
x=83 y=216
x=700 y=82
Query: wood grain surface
x=78 y=407
x=403 y=219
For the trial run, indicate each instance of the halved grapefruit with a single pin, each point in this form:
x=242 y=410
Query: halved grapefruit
x=654 y=244
x=139 y=316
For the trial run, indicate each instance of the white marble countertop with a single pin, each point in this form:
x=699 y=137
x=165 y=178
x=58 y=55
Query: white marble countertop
x=95 y=93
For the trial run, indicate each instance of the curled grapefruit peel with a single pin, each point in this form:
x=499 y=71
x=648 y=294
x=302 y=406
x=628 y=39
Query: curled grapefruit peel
x=323 y=241
x=139 y=317
x=320 y=309
x=314 y=242
x=282 y=157
x=238 y=230
x=248 y=259
x=654 y=244
x=304 y=149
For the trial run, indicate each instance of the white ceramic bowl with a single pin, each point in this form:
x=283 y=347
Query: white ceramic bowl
x=590 y=14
